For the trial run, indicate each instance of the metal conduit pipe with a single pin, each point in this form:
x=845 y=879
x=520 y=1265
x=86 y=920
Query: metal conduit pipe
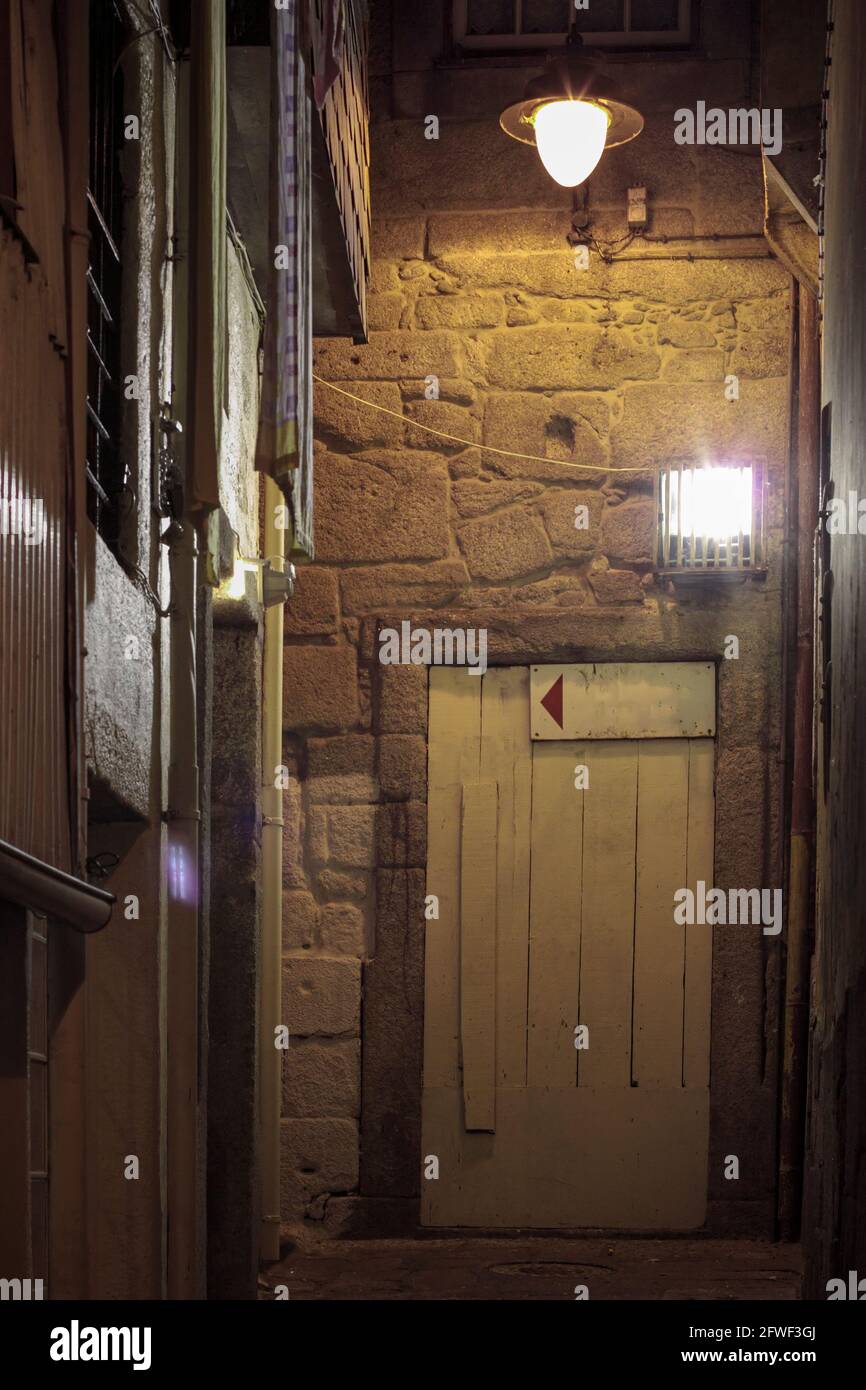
x=270 y=1010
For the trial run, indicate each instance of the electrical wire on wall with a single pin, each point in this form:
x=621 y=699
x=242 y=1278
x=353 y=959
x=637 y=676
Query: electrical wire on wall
x=470 y=443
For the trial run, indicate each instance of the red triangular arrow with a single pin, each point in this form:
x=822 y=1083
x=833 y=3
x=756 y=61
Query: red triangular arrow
x=552 y=701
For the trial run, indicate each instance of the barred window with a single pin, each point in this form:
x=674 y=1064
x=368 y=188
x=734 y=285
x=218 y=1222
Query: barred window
x=105 y=471
x=520 y=24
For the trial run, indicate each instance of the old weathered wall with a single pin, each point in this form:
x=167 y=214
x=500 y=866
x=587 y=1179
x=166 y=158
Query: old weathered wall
x=126 y=726
x=127 y=714
x=834 y=1225
x=621 y=366
x=232 y=638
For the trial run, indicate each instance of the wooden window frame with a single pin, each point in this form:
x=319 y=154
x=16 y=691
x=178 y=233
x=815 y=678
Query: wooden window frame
x=681 y=37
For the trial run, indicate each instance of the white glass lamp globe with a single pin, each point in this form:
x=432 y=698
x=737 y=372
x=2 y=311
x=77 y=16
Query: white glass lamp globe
x=570 y=138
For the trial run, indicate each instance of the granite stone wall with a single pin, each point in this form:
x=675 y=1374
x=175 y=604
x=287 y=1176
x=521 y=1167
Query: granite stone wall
x=476 y=301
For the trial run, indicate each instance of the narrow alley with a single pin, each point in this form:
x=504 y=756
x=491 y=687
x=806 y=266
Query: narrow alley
x=431 y=561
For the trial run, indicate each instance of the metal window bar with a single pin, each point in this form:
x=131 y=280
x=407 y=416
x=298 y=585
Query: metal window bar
x=518 y=35
x=104 y=467
x=688 y=543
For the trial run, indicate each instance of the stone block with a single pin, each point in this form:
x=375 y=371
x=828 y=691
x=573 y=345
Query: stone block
x=342 y=930
x=312 y=610
x=744 y=703
x=341 y=769
x=343 y=424
x=376 y=506
x=666 y=282
x=465 y=465
x=401 y=834
x=616 y=586
x=293 y=853
x=397 y=238
x=474 y=497
x=320 y=688
x=317 y=1156
x=323 y=1079
x=706 y=364
x=350 y=834
x=520 y=311
x=507 y=545
x=343 y=883
x=568 y=357
x=628 y=532
x=569 y=311
x=459 y=311
x=388 y=357
x=664 y=421
x=317 y=834
x=568 y=427
x=453 y=420
x=300 y=921
x=681 y=282
x=386 y=587
x=383 y=277
x=740 y=818
x=321 y=995
x=559 y=511
x=683 y=333
x=496 y=232
x=402 y=704
x=455 y=390
x=386 y=311
x=760 y=355
x=403 y=766
x=771 y=316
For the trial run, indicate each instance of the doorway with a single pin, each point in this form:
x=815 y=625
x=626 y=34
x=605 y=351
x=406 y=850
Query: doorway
x=567 y=1015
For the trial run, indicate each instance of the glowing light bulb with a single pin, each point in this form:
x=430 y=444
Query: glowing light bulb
x=570 y=137
x=717 y=502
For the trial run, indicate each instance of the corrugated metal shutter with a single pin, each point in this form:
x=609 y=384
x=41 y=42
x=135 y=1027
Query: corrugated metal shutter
x=34 y=806
x=34 y=453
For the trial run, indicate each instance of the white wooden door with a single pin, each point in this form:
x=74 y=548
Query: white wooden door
x=555 y=914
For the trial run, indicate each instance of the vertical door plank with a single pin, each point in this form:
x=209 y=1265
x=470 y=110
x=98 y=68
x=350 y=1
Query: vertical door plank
x=506 y=758
x=478 y=954
x=454 y=732
x=699 y=938
x=607 y=937
x=659 y=945
x=555 y=913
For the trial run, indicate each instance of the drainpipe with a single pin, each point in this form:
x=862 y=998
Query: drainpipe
x=183 y=815
x=270 y=1057
x=182 y=983
x=800 y=868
